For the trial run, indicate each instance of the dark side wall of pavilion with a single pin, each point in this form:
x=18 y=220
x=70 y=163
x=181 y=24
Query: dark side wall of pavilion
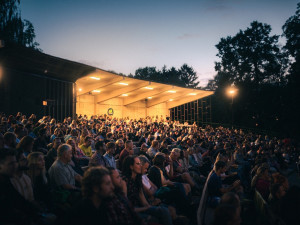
x=198 y=111
x=28 y=78
x=25 y=92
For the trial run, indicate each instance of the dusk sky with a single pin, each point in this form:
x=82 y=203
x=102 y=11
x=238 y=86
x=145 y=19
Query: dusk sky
x=123 y=35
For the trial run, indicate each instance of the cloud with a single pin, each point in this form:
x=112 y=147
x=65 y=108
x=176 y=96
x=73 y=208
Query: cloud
x=188 y=36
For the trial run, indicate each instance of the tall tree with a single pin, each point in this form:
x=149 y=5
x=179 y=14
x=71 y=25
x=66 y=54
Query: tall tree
x=147 y=73
x=172 y=76
x=291 y=30
x=14 y=30
x=188 y=76
x=251 y=56
x=185 y=76
x=255 y=63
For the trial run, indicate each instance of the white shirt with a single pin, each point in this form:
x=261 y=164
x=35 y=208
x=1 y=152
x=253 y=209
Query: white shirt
x=23 y=186
x=146 y=181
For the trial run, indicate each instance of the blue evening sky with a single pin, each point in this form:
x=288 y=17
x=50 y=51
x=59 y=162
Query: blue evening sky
x=123 y=35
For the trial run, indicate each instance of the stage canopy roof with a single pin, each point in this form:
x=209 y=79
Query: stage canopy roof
x=97 y=88
x=104 y=86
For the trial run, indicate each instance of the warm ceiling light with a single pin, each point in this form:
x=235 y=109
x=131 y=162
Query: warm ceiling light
x=171 y=100
x=172 y=91
x=80 y=89
x=192 y=93
x=149 y=97
x=123 y=83
x=149 y=88
x=96 y=91
x=95 y=78
x=124 y=95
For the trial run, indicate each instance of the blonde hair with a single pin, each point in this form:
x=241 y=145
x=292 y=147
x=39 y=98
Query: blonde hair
x=176 y=150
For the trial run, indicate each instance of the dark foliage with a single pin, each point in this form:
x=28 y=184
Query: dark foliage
x=13 y=30
x=266 y=75
x=185 y=76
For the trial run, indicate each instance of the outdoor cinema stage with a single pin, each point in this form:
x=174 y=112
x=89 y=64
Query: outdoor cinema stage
x=35 y=82
x=102 y=92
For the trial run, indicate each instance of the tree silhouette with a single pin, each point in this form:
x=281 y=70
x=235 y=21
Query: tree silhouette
x=291 y=30
x=185 y=76
x=251 y=56
x=255 y=63
x=188 y=76
x=172 y=76
x=147 y=73
x=14 y=30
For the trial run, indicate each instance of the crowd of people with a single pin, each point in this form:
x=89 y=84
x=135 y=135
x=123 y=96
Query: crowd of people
x=105 y=170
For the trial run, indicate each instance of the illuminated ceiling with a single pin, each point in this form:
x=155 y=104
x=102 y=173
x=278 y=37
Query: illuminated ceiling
x=105 y=85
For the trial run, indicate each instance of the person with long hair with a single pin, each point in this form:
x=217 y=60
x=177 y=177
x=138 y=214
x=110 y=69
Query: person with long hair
x=97 y=187
x=261 y=181
x=84 y=134
x=26 y=144
x=75 y=162
x=37 y=173
x=132 y=169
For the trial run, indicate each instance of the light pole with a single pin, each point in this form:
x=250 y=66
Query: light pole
x=232 y=91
